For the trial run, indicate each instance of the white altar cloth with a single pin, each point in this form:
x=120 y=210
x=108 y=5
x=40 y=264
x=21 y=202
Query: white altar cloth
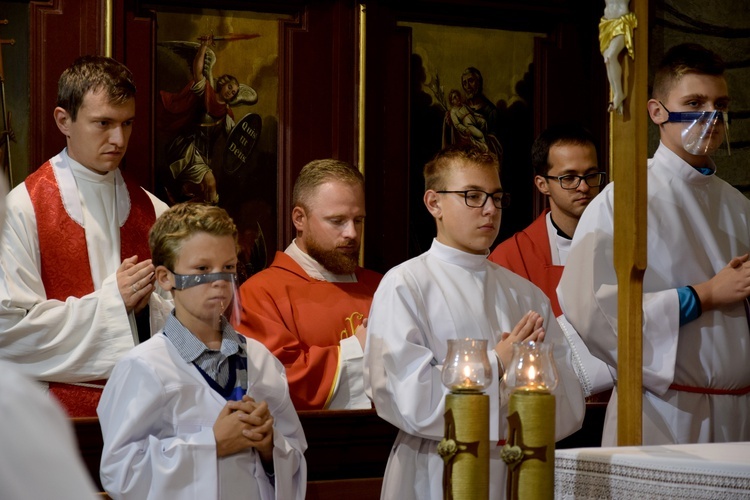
x=685 y=472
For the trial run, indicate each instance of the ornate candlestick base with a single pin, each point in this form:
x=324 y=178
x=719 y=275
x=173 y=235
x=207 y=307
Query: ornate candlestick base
x=465 y=447
x=530 y=449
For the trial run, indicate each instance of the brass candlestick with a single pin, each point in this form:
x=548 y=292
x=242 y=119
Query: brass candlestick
x=530 y=448
x=465 y=447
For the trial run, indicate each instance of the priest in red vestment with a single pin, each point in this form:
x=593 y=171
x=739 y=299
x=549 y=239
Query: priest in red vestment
x=310 y=306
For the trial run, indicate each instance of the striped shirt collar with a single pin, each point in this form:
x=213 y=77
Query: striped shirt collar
x=190 y=347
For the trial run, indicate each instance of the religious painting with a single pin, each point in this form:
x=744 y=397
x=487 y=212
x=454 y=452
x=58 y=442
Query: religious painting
x=472 y=85
x=216 y=120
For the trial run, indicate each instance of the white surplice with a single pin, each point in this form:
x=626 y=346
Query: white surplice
x=82 y=338
x=157 y=414
x=592 y=371
x=447 y=294
x=696 y=224
x=40 y=457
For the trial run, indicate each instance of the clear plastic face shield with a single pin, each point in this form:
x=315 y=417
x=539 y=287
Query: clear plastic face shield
x=227 y=302
x=703 y=132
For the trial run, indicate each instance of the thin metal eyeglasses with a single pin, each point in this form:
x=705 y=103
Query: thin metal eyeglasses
x=475 y=198
x=571 y=181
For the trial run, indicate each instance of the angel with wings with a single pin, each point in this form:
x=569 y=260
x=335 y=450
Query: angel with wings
x=198 y=115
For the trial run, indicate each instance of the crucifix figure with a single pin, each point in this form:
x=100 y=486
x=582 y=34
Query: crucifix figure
x=616 y=33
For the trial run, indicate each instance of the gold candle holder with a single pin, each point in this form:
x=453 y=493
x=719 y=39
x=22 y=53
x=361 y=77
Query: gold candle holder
x=530 y=448
x=465 y=448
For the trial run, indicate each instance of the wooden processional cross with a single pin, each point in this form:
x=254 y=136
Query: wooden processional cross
x=628 y=150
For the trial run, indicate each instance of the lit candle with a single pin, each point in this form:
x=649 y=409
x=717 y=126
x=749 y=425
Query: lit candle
x=465 y=447
x=530 y=447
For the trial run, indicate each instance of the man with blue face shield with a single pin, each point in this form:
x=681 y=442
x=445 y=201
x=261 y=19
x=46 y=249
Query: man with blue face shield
x=696 y=338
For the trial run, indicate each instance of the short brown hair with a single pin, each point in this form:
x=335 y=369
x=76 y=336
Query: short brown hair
x=681 y=60
x=92 y=74
x=182 y=221
x=448 y=158
x=319 y=172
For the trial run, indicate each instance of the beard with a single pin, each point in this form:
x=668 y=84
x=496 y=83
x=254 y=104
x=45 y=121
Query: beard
x=334 y=261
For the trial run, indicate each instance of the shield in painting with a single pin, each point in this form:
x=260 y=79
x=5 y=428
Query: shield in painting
x=240 y=143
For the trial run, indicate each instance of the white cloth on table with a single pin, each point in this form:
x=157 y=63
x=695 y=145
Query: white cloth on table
x=696 y=471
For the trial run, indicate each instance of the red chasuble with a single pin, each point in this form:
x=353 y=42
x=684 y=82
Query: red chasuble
x=301 y=320
x=527 y=253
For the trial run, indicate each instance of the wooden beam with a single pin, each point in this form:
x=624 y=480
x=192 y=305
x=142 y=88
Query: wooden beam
x=629 y=153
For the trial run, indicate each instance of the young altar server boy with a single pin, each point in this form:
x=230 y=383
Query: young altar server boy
x=453 y=291
x=198 y=411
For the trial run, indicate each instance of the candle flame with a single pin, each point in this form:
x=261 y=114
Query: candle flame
x=532 y=373
x=467 y=371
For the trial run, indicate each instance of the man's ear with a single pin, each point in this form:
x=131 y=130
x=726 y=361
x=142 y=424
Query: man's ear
x=657 y=112
x=164 y=278
x=62 y=120
x=432 y=202
x=541 y=184
x=299 y=216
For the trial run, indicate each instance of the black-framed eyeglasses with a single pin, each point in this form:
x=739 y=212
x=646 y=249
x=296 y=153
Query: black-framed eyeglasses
x=570 y=181
x=475 y=198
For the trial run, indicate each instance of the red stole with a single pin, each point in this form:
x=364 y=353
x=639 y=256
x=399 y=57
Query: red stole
x=527 y=253
x=65 y=267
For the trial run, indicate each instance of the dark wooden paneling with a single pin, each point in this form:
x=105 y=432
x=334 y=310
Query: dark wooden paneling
x=60 y=32
x=317 y=95
x=134 y=39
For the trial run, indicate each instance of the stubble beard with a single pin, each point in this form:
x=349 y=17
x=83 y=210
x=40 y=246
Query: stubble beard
x=333 y=260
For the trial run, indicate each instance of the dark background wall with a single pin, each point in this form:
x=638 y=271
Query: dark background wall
x=319 y=77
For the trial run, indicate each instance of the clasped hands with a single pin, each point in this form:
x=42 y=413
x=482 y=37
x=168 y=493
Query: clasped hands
x=242 y=425
x=529 y=328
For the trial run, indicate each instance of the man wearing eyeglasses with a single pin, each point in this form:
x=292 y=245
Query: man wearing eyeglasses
x=696 y=339
x=567 y=172
x=452 y=291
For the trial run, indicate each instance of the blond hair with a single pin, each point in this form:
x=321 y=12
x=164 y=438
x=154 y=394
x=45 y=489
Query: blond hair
x=182 y=221
x=446 y=160
x=319 y=172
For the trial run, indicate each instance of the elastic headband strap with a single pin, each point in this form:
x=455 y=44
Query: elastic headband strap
x=183 y=281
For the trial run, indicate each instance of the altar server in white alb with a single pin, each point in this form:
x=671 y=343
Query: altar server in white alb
x=453 y=291
x=76 y=279
x=696 y=340
x=197 y=411
x=40 y=457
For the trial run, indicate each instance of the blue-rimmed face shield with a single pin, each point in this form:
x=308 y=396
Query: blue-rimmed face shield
x=703 y=131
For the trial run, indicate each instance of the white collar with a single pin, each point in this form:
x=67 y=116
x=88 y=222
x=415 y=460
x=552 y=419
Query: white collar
x=681 y=168
x=66 y=170
x=476 y=262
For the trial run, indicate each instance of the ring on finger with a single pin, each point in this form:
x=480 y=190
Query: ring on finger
x=135 y=289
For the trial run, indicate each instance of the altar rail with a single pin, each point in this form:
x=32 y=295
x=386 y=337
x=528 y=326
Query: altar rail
x=347 y=450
